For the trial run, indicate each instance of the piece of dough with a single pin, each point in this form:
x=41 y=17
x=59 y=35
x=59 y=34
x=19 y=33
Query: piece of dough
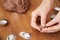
x=19 y=6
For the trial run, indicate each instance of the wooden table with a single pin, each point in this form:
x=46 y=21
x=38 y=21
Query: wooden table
x=21 y=22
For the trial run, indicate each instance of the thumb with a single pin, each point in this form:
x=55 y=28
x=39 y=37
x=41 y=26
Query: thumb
x=51 y=29
x=54 y=21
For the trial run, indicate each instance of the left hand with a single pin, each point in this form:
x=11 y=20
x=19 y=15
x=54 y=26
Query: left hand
x=54 y=28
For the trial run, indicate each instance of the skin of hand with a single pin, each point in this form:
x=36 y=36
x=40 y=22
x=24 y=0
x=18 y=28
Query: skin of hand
x=41 y=11
x=54 y=28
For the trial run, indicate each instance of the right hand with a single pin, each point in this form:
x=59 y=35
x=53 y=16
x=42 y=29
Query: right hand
x=41 y=11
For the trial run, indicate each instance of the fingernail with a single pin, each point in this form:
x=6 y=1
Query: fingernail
x=47 y=24
x=42 y=26
x=41 y=31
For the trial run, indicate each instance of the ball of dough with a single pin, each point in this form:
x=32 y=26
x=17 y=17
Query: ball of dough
x=19 y=6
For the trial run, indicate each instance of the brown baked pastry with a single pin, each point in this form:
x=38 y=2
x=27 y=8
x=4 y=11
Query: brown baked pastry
x=19 y=6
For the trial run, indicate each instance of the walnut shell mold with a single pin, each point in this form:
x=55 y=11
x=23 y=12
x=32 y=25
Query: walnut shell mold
x=19 y=6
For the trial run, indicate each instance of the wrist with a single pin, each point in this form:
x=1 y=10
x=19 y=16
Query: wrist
x=52 y=1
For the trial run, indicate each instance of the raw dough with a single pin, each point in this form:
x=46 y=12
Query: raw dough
x=3 y=22
x=19 y=6
x=57 y=8
x=11 y=37
x=25 y=35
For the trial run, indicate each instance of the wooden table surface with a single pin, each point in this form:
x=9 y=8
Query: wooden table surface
x=21 y=22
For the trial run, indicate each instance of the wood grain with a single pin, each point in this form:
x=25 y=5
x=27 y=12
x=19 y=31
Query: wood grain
x=21 y=22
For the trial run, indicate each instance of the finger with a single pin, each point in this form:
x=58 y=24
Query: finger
x=45 y=9
x=51 y=29
x=33 y=21
x=43 y=20
x=59 y=22
x=54 y=21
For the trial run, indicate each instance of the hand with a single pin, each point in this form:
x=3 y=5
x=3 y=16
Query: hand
x=54 y=28
x=41 y=11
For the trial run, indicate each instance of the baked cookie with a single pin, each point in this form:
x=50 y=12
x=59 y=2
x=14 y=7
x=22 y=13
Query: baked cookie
x=19 y=6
